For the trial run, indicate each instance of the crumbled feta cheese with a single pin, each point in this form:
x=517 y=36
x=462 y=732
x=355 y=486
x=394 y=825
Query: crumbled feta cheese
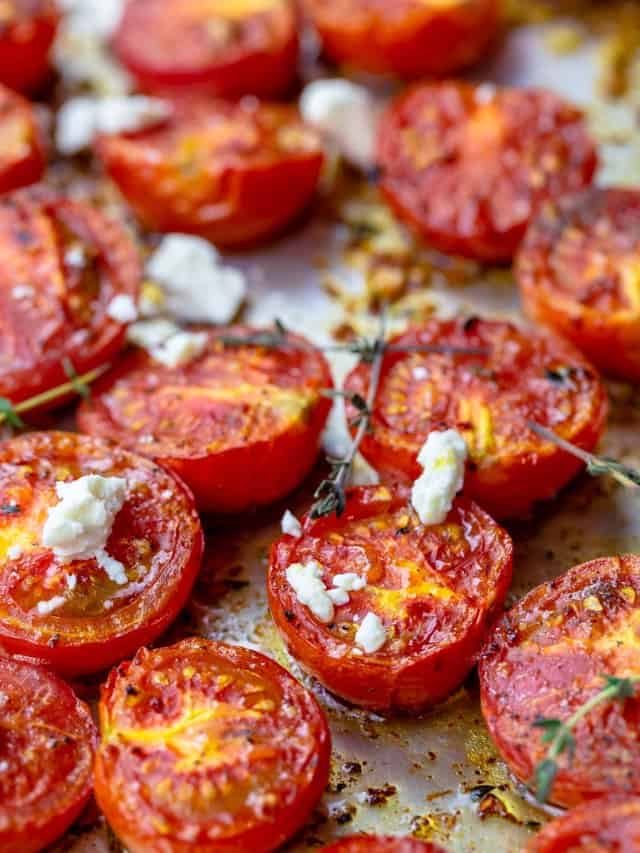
x=46 y=607
x=23 y=291
x=443 y=459
x=82 y=59
x=362 y=474
x=346 y=114
x=112 y=567
x=122 y=309
x=4 y=766
x=338 y=596
x=98 y=18
x=149 y=334
x=290 y=525
x=72 y=582
x=350 y=582
x=198 y=288
x=14 y=552
x=371 y=635
x=180 y=348
x=306 y=581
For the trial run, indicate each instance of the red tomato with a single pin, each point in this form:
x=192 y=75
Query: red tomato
x=27 y=30
x=22 y=154
x=208 y=748
x=436 y=589
x=579 y=272
x=240 y=425
x=226 y=48
x=380 y=844
x=61 y=264
x=93 y=621
x=548 y=656
x=490 y=400
x=47 y=744
x=410 y=38
x=610 y=825
x=468 y=166
x=232 y=173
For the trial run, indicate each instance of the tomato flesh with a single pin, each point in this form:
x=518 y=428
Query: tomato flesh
x=610 y=825
x=516 y=376
x=380 y=844
x=469 y=166
x=548 y=656
x=47 y=744
x=436 y=589
x=22 y=156
x=208 y=747
x=156 y=536
x=27 y=30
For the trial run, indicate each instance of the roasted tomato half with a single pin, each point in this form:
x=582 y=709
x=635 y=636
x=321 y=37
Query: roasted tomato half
x=434 y=591
x=240 y=424
x=468 y=166
x=22 y=154
x=380 y=844
x=510 y=377
x=232 y=173
x=61 y=264
x=75 y=613
x=579 y=272
x=27 y=30
x=610 y=825
x=208 y=747
x=226 y=48
x=409 y=38
x=47 y=744
x=550 y=655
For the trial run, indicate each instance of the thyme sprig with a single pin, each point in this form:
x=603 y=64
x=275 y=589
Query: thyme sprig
x=559 y=735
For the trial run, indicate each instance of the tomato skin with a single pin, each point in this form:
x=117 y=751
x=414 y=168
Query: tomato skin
x=251 y=170
x=165 y=49
x=251 y=791
x=236 y=411
x=489 y=399
x=66 y=306
x=406 y=674
x=23 y=158
x=34 y=702
x=609 y=825
x=467 y=167
x=380 y=844
x=25 y=42
x=409 y=39
x=573 y=269
x=549 y=655
x=157 y=536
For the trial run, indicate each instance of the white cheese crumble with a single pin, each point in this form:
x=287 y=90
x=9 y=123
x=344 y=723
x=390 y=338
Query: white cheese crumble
x=443 y=457
x=23 y=291
x=167 y=343
x=198 y=288
x=371 y=635
x=346 y=114
x=72 y=582
x=14 y=552
x=4 y=766
x=112 y=567
x=46 y=607
x=122 y=309
x=306 y=581
x=350 y=582
x=98 y=18
x=290 y=525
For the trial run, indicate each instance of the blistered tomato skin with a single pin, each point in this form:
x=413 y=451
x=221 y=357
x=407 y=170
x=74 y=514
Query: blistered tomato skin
x=47 y=745
x=22 y=153
x=469 y=166
x=436 y=589
x=380 y=844
x=27 y=30
x=235 y=174
x=241 y=425
x=61 y=264
x=548 y=656
x=407 y=38
x=156 y=536
x=579 y=273
x=516 y=375
x=208 y=748
x=225 y=48
x=610 y=825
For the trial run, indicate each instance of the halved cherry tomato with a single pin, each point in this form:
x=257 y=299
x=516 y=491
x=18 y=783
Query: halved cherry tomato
x=579 y=272
x=240 y=424
x=380 y=844
x=69 y=612
x=232 y=173
x=468 y=166
x=27 y=30
x=548 y=656
x=226 y=48
x=610 y=825
x=208 y=747
x=436 y=589
x=490 y=398
x=410 y=38
x=22 y=155
x=47 y=744
x=61 y=264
